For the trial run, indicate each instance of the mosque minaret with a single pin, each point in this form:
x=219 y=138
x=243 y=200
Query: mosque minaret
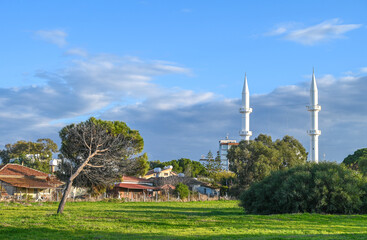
x=245 y=110
x=314 y=133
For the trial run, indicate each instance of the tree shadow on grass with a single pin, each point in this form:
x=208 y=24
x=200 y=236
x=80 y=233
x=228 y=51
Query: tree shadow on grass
x=181 y=218
x=179 y=210
x=10 y=233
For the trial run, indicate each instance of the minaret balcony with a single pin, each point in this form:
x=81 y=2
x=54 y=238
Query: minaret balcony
x=313 y=108
x=314 y=132
x=245 y=110
x=245 y=133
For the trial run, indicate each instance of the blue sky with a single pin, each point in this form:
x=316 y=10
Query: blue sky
x=174 y=70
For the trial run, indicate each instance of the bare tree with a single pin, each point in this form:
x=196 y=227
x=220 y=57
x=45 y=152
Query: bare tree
x=98 y=152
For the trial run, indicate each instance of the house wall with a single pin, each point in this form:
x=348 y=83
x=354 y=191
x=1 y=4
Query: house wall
x=207 y=191
x=32 y=192
x=134 y=193
x=16 y=191
x=164 y=173
x=10 y=190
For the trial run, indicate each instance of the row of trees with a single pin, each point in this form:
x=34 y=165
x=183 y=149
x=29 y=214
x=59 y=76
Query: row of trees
x=183 y=165
x=250 y=161
x=31 y=154
x=96 y=153
x=209 y=166
x=253 y=160
x=274 y=177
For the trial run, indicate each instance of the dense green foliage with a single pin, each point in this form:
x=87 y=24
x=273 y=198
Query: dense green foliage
x=211 y=164
x=252 y=161
x=35 y=155
x=169 y=220
x=183 y=165
x=42 y=166
x=182 y=190
x=223 y=180
x=141 y=168
x=357 y=161
x=315 y=188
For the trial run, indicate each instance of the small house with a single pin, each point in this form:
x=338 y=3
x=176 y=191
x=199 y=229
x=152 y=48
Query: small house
x=17 y=180
x=134 y=188
x=203 y=188
x=158 y=172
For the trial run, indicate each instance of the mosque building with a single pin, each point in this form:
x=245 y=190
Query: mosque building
x=245 y=133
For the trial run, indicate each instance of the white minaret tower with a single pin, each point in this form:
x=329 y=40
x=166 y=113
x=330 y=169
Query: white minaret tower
x=314 y=108
x=245 y=110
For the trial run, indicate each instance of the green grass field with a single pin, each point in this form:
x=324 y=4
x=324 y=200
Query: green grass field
x=169 y=220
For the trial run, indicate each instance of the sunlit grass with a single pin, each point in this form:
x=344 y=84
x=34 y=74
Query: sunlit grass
x=169 y=220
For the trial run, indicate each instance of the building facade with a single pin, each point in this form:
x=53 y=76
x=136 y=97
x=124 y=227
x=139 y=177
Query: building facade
x=224 y=146
x=158 y=172
x=17 y=180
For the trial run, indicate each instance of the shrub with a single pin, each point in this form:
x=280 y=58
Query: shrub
x=316 y=188
x=182 y=190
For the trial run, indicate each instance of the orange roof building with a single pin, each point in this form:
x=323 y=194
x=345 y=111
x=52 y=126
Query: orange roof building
x=134 y=188
x=16 y=180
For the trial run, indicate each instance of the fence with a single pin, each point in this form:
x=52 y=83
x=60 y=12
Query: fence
x=167 y=197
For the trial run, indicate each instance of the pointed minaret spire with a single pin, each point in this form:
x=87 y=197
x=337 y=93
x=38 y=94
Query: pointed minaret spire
x=314 y=133
x=245 y=110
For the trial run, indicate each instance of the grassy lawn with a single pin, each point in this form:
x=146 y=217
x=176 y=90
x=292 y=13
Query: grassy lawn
x=169 y=220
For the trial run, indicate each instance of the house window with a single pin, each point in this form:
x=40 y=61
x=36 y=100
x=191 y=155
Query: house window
x=35 y=191
x=165 y=174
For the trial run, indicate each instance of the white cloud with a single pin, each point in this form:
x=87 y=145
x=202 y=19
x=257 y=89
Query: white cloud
x=86 y=88
x=278 y=31
x=194 y=129
x=282 y=28
x=326 y=80
x=177 y=122
x=57 y=37
x=168 y=100
x=327 y=30
x=363 y=70
x=76 y=52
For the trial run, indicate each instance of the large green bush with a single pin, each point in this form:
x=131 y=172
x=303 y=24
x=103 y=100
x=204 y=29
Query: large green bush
x=182 y=190
x=316 y=188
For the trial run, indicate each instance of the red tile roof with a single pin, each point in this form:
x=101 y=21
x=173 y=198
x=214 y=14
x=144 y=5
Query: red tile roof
x=133 y=186
x=21 y=176
x=31 y=183
x=11 y=169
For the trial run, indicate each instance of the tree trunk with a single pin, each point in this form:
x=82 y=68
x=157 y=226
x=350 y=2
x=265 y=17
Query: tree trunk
x=65 y=196
x=70 y=183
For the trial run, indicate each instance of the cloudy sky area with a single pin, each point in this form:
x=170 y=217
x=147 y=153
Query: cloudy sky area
x=174 y=70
